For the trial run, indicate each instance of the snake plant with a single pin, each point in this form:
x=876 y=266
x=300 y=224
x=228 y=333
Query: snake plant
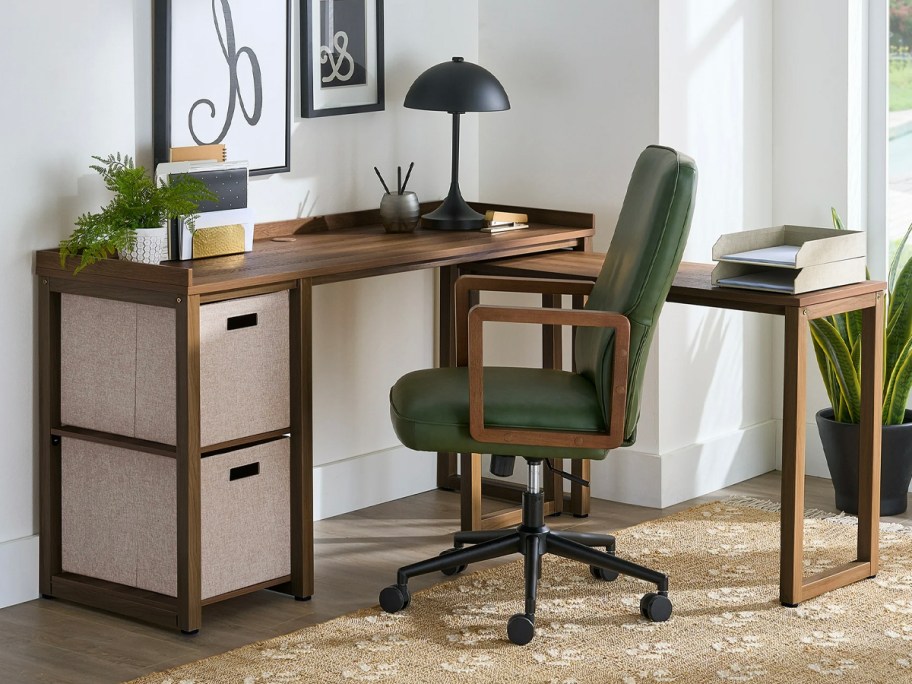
x=837 y=345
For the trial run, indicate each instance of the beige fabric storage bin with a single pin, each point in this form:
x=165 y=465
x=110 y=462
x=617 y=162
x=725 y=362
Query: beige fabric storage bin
x=118 y=518
x=244 y=367
x=118 y=367
x=98 y=363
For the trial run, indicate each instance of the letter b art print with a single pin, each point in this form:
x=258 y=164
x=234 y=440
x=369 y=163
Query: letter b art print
x=222 y=76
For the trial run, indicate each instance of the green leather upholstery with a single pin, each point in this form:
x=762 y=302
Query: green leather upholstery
x=429 y=408
x=639 y=268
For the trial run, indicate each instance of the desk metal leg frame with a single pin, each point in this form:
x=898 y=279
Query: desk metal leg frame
x=794 y=587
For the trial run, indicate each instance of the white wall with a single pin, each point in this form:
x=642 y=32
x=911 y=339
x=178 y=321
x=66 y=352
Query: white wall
x=66 y=99
x=811 y=169
x=590 y=89
x=78 y=81
x=715 y=405
x=576 y=80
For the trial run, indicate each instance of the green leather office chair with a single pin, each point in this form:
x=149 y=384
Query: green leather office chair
x=541 y=414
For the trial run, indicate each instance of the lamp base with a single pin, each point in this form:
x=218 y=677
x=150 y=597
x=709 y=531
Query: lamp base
x=453 y=214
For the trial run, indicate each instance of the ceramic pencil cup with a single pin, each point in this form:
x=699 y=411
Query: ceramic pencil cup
x=400 y=213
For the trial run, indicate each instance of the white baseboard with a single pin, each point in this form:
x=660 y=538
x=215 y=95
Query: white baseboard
x=369 y=479
x=18 y=571
x=654 y=480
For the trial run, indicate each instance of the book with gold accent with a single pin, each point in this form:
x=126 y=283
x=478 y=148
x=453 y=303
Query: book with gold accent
x=218 y=233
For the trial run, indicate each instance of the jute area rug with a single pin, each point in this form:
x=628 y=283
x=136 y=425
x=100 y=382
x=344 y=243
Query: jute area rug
x=727 y=625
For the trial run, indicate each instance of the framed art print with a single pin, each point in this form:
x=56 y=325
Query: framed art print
x=221 y=75
x=341 y=57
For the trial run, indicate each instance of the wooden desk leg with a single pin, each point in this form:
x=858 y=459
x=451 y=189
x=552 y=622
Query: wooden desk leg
x=793 y=442
x=470 y=492
x=189 y=583
x=579 y=495
x=553 y=357
x=301 y=466
x=870 y=433
x=49 y=563
x=446 y=357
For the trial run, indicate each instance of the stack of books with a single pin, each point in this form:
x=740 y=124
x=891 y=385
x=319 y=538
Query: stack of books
x=502 y=221
x=789 y=259
x=224 y=225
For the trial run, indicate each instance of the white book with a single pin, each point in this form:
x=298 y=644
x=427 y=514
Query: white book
x=779 y=255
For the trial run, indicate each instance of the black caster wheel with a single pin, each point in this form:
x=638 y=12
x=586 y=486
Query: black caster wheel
x=655 y=607
x=394 y=598
x=521 y=629
x=603 y=574
x=449 y=572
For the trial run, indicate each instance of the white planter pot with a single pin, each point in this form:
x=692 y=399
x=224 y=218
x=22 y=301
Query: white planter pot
x=151 y=246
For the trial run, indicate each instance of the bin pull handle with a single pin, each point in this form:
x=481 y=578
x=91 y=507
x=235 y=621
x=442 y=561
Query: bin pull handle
x=242 y=321
x=243 y=471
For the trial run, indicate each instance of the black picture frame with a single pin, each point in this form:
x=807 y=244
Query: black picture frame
x=254 y=59
x=353 y=82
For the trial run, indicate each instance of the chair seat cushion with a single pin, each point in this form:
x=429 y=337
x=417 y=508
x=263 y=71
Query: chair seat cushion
x=430 y=409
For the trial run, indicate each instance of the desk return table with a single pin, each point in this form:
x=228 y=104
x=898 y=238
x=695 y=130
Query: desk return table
x=692 y=286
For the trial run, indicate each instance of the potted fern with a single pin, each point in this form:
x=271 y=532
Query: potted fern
x=134 y=223
x=837 y=345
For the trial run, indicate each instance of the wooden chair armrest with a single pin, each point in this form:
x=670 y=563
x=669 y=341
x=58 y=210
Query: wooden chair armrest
x=468 y=285
x=575 y=317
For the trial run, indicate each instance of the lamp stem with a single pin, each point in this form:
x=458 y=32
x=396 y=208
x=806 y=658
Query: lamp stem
x=454 y=213
x=454 y=175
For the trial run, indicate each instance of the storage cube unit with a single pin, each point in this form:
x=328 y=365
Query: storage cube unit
x=123 y=381
x=118 y=517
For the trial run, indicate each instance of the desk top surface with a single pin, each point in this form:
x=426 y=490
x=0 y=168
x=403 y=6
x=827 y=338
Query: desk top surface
x=329 y=249
x=692 y=283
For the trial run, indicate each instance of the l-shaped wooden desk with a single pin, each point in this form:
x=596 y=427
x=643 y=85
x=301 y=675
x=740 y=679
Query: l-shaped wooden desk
x=350 y=246
x=692 y=286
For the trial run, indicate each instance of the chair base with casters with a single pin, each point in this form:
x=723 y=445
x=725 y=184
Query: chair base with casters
x=533 y=539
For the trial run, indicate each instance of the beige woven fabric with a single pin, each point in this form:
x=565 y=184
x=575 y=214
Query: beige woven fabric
x=727 y=624
x=244 y=386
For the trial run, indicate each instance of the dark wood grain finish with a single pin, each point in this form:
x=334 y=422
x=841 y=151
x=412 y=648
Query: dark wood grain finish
x=481 y=432
x=48 y=418
x=139 y=603
x=870 y=433
x=189 y=515
x=268 y=584
x=248 y=440
x=352 y=251
x=111 y=439
x=447 y=469
x=301 y=466
x=553 y=357
x=692 y=283
x=269 y=288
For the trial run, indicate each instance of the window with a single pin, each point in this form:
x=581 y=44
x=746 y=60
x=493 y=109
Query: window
x=899 y=180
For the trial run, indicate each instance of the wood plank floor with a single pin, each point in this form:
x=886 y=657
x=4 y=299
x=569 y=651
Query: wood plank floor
x=48 y=641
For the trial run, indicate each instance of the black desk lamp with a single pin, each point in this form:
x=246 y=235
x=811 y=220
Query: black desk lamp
x=456 y=87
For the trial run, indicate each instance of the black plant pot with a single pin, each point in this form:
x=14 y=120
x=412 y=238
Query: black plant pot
x=840 y=446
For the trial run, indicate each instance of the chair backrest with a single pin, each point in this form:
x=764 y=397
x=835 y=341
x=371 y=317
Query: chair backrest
x=639 y=268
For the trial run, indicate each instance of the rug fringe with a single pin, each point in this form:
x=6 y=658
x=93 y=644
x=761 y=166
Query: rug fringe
x=840 y=518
